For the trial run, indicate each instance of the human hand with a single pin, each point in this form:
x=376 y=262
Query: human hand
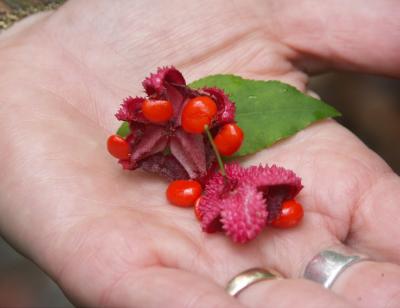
x=108 y=237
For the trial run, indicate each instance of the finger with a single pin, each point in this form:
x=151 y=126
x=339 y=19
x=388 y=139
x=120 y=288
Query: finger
x=367 y=283
x=165 y=287
x=199 y=292
x=370 y=284
x=326 y=31
x=290 y=293
x=376 y=220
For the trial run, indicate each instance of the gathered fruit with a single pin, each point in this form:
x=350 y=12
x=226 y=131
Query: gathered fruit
x=157 y=111
x=291 y=214
x=118 y=147
x=197 y=113
x=229 y=139
x=183 y=193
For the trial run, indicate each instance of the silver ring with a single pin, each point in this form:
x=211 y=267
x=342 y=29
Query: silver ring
x=245 y=279
x=327 y=266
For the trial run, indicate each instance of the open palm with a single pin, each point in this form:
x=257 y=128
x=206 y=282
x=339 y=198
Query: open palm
x=108 y=237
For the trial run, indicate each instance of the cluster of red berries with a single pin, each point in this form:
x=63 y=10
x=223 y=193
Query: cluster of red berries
x=186 y=193
x=197 y=114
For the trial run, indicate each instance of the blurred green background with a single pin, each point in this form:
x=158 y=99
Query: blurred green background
x=371 y=109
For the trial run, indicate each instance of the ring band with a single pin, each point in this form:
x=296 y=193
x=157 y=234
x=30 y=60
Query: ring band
x=327 y=266
x=249 y=277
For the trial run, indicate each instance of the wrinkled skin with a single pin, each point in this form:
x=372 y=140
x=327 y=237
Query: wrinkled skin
x=108 y=237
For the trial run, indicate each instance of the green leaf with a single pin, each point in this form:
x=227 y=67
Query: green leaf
x=123 y=130
x=267 y=111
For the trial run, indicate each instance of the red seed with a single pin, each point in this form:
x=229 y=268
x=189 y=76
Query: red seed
x=291 y=214
x=118 y=147
x=229 y=139
x=157 y=111
x=197 y=113
x=183 y=192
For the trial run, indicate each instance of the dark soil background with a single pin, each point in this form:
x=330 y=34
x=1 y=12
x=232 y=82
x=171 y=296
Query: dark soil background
x=371 y=109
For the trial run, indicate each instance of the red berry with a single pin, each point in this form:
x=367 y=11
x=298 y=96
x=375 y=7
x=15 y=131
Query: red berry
x=197 y=209
x=157 y=111
x=197 y=113
x=183 y=192
x=291 y=214
x=118 y=147
x=229 y=139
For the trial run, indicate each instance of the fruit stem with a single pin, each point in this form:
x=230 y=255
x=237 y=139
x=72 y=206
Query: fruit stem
x=219 y=159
